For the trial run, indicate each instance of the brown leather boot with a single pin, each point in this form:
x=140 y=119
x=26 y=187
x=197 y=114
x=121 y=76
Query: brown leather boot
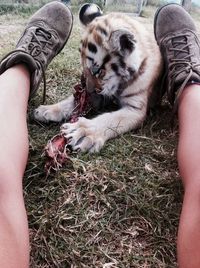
x=43 y=38
x=176 y=36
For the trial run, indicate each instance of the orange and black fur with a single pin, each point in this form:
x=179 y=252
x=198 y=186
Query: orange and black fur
x=120 y=59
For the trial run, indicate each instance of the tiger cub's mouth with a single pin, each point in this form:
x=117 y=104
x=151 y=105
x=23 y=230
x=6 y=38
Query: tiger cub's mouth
x=92 y=82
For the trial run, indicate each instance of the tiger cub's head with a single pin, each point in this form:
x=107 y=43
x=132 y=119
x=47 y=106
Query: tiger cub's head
x=108 y=53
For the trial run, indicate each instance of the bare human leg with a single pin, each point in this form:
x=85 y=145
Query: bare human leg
x=176 y=35
x=14 y=241
x=189 y=166
x=21 y=72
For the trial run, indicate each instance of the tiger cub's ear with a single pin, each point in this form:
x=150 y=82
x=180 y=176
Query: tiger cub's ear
x=88 y=12
x=122 y=41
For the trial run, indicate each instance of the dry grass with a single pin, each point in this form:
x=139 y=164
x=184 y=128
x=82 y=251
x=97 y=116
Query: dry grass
x=119 y=208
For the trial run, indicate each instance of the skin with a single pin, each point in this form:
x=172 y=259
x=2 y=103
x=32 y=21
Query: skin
x=189 y=166
x=14 y=240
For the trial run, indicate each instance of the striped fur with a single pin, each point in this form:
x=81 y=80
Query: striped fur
x=120 y=53
x=120 y=59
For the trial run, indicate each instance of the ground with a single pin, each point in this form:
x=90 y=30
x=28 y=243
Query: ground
x=118 y=208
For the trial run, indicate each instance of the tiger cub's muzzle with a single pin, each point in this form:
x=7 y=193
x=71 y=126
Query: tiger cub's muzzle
x=92 y=82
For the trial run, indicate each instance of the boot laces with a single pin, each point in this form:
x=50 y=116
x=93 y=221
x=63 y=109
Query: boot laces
x=39 y=40
x=183 y=60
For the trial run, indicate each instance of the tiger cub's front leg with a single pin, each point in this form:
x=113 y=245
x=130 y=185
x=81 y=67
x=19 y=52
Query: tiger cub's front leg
x=55 y=112
x=90 y=135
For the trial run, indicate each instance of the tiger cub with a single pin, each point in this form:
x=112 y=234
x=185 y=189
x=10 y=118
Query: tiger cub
x=120 y=59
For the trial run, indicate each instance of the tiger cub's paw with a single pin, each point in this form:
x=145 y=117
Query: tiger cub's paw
x=48 y=113
x=83 y=135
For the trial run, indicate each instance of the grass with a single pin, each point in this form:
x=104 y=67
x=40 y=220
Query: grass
x=118 y=208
